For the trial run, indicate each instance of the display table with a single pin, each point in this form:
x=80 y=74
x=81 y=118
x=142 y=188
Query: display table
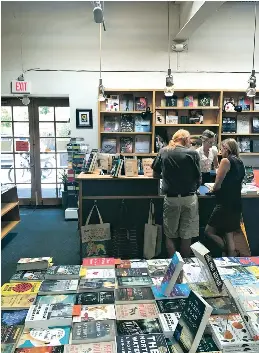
x=136 y=192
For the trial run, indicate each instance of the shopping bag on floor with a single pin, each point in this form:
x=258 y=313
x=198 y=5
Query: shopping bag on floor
x=95 y=238
x=152 y=235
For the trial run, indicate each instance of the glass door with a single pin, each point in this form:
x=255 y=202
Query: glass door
x=33 y=145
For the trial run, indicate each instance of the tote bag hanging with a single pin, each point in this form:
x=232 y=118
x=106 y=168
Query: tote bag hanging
x=95 y=232
x=152 y=235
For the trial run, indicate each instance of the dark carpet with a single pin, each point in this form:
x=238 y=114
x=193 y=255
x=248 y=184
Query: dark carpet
x=42 y=232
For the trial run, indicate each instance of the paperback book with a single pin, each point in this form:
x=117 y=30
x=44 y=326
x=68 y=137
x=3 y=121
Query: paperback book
x=134 y=281
x=150 y=343
x=97 y=284
x=226 y=261
x=126 y=145
x=135 y=263
x=28 y=276
x=101 y=347
x=129 y=295
x=94 y=298
x=193 y=274
x=168 y=323
x=99 y=273
x=62 y=272
x=111 y=123
x=109 y=145
x=138 y=327
x=94 y=313
x=17 y=302
x=127 y=123
x=181 y=290
x=113 y=103
x=157 y=281
x=222 y=306
x=10 y=289
x=136 y=311
x=192 y=323
x=131 y=272
x=207 y=290
x=254 y=270
x=247 y=292
x=13 y=317
x=48 y=315
x=127 y=102
x=171 y=306
x=206 y=345
x=248 y=261
x=52 y=336
x=238 y=275
x=58 y=287
x=34 y=263
x=56 y=299
x=172 y=273
x=251 y=305
x=47 y=349
x=158 y=262
x=10 y=335
x=100 y=262
x=93 y=331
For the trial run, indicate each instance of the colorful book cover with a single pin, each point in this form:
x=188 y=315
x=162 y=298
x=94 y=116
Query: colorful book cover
x=63 y=270
x=135 y=263
x=131 y=272
x=149 y=343
x=226 y=261
x=126 y=144
x=113 y=103
x=55 y=299
x=206 y=290
x=98 y=347
x=134 y=294
x=254 y=270
x=16 y=302
x=136 y=311
x=109 y=145
x=20 y=288
x=45 y=349
x=140 y=103
x=238 y=275
x=30 y=260
x=192 y=323
x=99 y=273
x=251 y=305
x=157 y=281
x=10 y=334
x=188 y=101
x=93 y=331
x=134 y=281
x=158 y=262
x=127 y=123
x=96 y=248
x=171 y=306
x=138 y=327
x=248 y=261
x=181 y=290
x=193 y=274
x=24 y=276
x=13 y=317
x=53 y=336
x=7 y=348
x=101 y=284
x=95 y=312
x=100 y=262
x=41 y=315
x=168 y=323
x=58 y=286
x=222 y=306
x=111 y=123
x=93 y=298
x=247 y=292
x=157 y=270
x=172 y=273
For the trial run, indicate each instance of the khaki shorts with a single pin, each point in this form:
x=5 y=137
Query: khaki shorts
x=181 y=217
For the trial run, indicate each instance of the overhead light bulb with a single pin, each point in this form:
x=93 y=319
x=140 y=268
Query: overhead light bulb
x=25 y=100
x=169 y=88
x=251 y=90
x=101 y=94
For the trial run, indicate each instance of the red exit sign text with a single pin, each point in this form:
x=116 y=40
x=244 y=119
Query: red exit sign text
x=21 y=87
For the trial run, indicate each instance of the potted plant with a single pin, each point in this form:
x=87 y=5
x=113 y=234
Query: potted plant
x=63 y=177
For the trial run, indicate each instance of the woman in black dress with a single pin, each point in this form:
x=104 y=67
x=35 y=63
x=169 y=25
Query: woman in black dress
x=226 y=216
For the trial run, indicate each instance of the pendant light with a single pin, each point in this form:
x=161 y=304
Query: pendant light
x=169 y=87
x=101 y=91
x=251 y=90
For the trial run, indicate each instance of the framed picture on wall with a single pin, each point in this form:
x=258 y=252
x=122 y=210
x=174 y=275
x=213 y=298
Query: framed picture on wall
x=84 y=118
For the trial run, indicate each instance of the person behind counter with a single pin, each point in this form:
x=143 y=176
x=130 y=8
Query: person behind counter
x=179 y=167
x=226 y=215
x=208 y=155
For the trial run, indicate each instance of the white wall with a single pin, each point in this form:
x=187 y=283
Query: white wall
x=63 y=36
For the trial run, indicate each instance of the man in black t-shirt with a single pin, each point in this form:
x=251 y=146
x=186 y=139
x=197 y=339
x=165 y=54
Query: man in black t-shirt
x=179 y=168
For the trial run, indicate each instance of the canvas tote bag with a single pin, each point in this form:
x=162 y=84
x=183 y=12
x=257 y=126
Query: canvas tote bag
x=152 y=235
x=95 y=232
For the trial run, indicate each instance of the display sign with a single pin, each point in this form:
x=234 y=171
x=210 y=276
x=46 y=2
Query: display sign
x=21 y=87
x=22 y=146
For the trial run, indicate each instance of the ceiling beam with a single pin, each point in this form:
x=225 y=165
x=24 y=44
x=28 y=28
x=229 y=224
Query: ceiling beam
x=192 y=15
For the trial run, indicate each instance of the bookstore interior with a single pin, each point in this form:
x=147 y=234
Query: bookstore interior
x=129 y=177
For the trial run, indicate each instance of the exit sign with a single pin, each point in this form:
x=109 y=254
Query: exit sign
x=22 y=87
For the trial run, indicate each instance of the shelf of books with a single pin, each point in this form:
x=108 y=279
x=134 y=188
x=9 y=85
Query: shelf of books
x=111 y=305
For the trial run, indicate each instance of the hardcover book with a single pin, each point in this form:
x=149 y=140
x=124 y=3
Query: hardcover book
x=138 y=327
x=150 y=343
x=99 y=262
x=111 y=123
x=96 y=284
x=192 y=323
x=53 y=336
x=20 y=288
x=255 y=125
x=129 y=295
x=99 y=273
x=142 y=123
x=94 y=298
x=45 y=315
x=131 y=272
x=56 y=299
x=93 y=331
x=58 y=287
x=34 y=263
x=172 y=273
x=28 y=276
x=136 y=311
x=245 y=103
x=171 y=306
x=17 y=302
x=188 y=101
x=63 y=272
x=147 y=167
x=134 y=281
x=168 y=323
x=13 y=317
x=95 y=312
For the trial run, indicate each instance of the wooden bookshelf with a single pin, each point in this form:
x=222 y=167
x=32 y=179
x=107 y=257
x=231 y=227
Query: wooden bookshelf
x=10 y=215
x=212 y=115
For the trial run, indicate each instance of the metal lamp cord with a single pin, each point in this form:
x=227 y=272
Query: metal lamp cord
x=254 y=39
x=100 y=48
x=168 y=34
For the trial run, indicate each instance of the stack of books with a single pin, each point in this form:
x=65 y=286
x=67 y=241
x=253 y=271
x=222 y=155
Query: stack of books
x=109 y=305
